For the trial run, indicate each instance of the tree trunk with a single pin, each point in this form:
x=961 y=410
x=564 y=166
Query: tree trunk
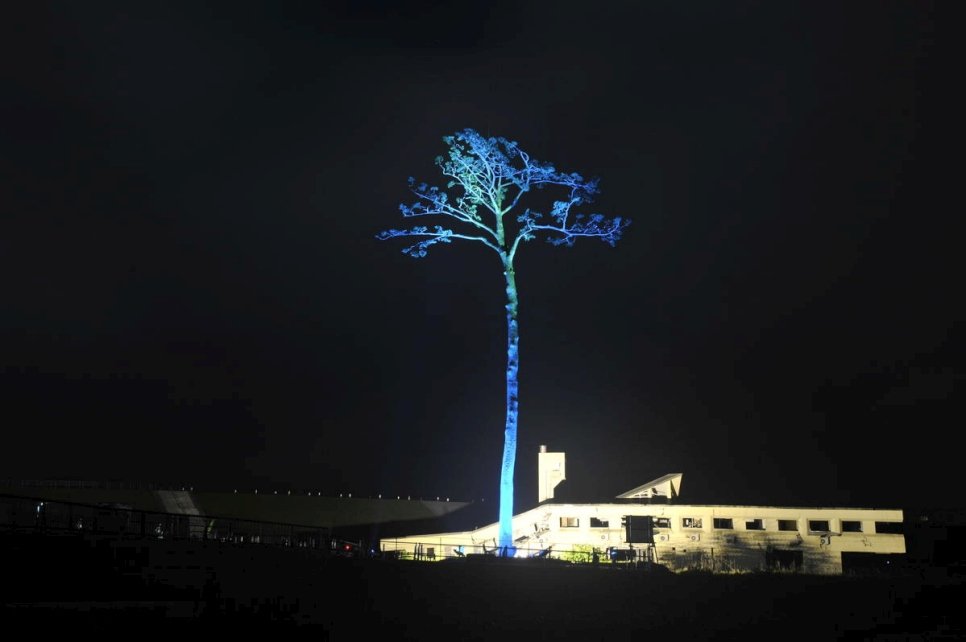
x=505 y=540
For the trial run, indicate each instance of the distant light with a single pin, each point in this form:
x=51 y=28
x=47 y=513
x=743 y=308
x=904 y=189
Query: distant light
x=380 y=496
x=235 y=491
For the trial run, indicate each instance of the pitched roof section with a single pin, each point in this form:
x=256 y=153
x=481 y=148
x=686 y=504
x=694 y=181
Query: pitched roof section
x=668 y=486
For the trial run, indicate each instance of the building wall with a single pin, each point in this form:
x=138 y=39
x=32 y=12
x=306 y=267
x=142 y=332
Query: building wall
x=722 y=538
x=551 y=470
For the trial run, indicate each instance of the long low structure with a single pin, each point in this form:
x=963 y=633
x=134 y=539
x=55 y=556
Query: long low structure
x=647 y=524
x=338 y=513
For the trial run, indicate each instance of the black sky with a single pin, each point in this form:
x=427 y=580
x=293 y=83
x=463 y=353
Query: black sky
x=193 y=291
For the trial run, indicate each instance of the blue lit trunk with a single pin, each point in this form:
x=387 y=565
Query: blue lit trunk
x=505 y=541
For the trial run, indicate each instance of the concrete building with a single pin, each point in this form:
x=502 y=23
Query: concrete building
x=649 y=524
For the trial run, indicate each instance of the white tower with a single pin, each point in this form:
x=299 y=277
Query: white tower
x=551 y=470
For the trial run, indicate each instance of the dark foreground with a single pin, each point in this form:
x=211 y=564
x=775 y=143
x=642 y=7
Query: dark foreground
x=139 y=590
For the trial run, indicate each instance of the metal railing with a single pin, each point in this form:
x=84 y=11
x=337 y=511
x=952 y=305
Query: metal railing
x=438 y=550
x=117 y=521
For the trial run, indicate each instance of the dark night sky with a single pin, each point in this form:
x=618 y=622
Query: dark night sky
x=192 y=290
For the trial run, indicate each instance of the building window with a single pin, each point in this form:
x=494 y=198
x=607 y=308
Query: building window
x=597 y=523
x=818 y=526
x=723 y=522
x=851 y=526
x=569 y=522
x=662 y=522
x=754 y=525
x=889 y=527
x=691 y=522
x=788 y=524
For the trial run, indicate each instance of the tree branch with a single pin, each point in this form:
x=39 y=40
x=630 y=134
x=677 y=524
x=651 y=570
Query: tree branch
x=434 y=236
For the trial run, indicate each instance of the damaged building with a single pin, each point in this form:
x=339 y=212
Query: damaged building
x=650 y=524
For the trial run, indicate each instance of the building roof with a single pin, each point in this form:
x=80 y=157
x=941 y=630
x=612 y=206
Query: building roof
x=668 y=486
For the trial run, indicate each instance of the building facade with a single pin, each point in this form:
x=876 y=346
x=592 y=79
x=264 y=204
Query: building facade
x=647 y=524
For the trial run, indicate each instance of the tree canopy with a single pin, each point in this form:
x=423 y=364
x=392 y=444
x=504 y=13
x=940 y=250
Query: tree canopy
x=487 y=177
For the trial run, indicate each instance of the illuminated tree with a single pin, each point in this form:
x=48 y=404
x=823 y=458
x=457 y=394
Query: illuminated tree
x=489 y=177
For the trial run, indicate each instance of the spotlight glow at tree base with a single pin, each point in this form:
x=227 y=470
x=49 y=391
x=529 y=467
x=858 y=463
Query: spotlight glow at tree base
x=490 y=176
